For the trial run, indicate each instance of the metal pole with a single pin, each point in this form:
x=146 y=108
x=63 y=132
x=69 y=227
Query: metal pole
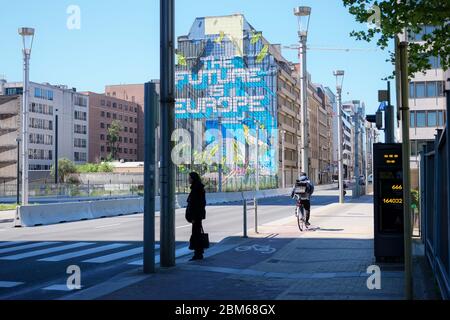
x=220 y=155
x=255 y=202
x=167 y=178
x=150 y=108
x=26 y=84
x=257 y=177
x=389 y=117
x=356 y=123
x=56 y=148
x=340 y=147
x=304 y=97
x=283 y=175
x=245 y=218
x=18 y=172
x=406 y=148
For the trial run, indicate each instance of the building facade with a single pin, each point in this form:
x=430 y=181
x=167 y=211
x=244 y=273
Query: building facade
x=133 y=93
x=427 y=103
x=103 y=111
x=10 y=131
x=48 y=103
x=232 y=82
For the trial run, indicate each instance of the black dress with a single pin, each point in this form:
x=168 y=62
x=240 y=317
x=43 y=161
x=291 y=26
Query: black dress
x=196 y=212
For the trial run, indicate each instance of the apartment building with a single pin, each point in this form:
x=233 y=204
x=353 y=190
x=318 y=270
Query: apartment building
x=103 y=111
x=48 y=103
x=133 y=93
x=355 y=111
x=10 y=124
x=427 y=102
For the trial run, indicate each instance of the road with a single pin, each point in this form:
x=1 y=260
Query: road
x=33 y=261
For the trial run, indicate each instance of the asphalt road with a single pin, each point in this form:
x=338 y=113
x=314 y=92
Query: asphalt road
x=33 y=261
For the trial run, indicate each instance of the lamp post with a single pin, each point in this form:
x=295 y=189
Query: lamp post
x=27 y=38
x=18 y=171
x=283 y=175
x=303 y=14
x=339 y=74
x=56 y=147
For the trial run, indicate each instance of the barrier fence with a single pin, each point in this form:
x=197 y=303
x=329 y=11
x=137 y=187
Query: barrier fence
x=434 y=183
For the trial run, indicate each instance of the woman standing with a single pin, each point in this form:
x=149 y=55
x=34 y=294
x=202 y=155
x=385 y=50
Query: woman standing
x=195 y=213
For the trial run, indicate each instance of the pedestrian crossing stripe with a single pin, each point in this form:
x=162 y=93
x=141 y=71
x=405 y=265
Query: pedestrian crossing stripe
x=178 y=253
x=115 y=256
x=45 y=251
x=27 y=246
x=70 y=255
x=11 y=243
x=24 y=251
x=9 y=284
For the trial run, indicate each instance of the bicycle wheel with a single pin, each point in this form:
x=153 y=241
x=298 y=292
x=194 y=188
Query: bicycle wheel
x=300 y=219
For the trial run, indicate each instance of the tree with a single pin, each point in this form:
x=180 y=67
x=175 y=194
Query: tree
x=113 y=139
x=65 y=167
x=389 y=18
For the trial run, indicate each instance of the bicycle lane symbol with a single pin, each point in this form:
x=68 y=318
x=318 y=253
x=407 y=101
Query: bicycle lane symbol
x=258 y=248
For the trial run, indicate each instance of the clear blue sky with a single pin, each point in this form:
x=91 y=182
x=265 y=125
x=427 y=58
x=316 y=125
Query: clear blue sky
x=119 y=41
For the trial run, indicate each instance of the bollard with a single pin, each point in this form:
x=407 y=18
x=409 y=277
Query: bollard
x=245 y=219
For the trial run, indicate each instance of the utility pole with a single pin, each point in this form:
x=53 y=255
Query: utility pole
x=357 y=174
x=18 y=172
x=220 y=154
x=303 y=14
x=406 y=150
x=150 y=115
x=339 y=74
x=283 y=174
x=167 y=178
x=56 y=147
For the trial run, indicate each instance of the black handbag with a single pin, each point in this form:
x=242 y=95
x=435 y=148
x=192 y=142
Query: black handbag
x=199 y=241
x=204 y=239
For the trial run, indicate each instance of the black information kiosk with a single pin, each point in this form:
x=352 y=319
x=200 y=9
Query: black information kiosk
x=388 y=202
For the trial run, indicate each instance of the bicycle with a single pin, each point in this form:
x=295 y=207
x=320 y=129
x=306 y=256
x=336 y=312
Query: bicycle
x=300 y=213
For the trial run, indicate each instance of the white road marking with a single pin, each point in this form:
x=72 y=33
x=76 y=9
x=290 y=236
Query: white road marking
x=115 y=256
x=178 y=253
x=109 y=225
x=11 y=243
x=45 y=251
x=58 y=287
x=71 y=255
x=188 y=225
x=9 y=284
x=27 y=246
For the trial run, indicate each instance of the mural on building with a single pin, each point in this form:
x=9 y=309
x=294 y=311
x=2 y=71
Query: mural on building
x=226 y=86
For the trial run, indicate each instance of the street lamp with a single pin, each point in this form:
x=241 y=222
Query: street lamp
x=18 y=171
x=27 y=38
x=303 y=14
x=339 y=74
x=283 y=175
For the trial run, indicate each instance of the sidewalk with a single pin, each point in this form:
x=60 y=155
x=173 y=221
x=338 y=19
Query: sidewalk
x=280 y=263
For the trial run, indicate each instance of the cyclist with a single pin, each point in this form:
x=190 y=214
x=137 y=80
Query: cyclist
x=304 y=188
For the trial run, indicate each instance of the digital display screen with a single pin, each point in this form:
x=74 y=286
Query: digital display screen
x=391 y=204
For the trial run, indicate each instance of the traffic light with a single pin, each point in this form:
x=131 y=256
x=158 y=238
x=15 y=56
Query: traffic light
x=376 y=118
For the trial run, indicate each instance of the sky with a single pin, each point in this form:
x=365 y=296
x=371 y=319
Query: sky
x=118 y=41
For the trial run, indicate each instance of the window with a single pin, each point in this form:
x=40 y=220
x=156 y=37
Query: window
x=102 y=137
x=441 y=120
x=126 y=129
x=80 y=156
x=125 y=140
x=108 y=115
x=103 y=114
x=102 y=148
x=103 y=102
x=435 y=62
x=432 y=118
x=108 y=103
x=120 y=106
x=80 y=143
x=80 y=129
x=114 y=116
x=102 y=125
x=80 y=115
x=80 y=101
x=420 y=90
x=114 y=105
x=431 y=89
x=420 y=119
x=412 y=120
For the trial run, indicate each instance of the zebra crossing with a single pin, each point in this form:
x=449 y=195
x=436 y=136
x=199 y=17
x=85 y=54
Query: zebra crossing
x=81 y=252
